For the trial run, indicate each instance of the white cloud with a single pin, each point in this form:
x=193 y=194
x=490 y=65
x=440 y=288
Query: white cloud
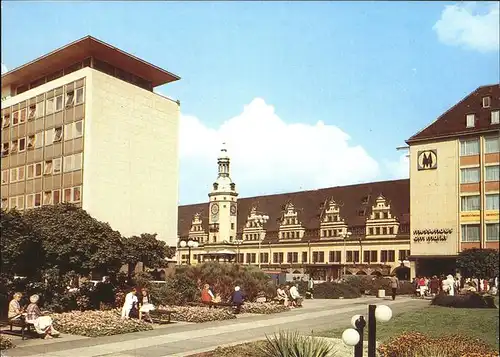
x=269 y=155
x=4 y=69
x=471 y=25
x=399 y=169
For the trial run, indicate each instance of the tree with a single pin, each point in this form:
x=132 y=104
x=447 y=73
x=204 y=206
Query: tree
x=146 y=249
x=479 y=263
x=74 y=241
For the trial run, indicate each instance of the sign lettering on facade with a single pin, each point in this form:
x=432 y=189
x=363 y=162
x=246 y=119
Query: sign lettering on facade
x=427 y=160
x=431 y=235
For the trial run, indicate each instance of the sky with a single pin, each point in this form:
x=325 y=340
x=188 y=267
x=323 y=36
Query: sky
x=305 y=94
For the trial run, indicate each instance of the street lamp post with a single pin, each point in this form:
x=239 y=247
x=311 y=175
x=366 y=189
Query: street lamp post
x=354 y=336
x=189 y=244
x=261 y=219
x=345 y=235
x=238 y=242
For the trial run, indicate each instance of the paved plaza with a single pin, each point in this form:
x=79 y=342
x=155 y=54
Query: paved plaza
x=183 y=339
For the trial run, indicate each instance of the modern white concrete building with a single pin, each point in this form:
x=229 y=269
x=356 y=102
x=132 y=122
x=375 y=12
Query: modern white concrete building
x=83 y=125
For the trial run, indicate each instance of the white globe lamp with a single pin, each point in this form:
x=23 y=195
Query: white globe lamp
x=195 y=244
x=183 y=244
x=383 y=313
x=350 y=337
x=354 y=319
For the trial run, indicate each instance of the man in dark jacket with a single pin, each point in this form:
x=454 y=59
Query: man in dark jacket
x=237 y=299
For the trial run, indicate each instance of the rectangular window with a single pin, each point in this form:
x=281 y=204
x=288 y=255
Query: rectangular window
x=32 y=112
x=47 y=198
x=356 y=256
x=15 y=118
x=58 y=134
x=5 y=149
x=470 y=203
x=38 y=199
x=56 y=197
x=22 y=116
x=13 y=175
x=492 y=202
x=304 y=257
x=72 y=162
x=30 y=172
x=49 y=137
x=20 y=202
x=469 y=147
x=492 y=232
x=67 y=195
x=39 y=110
x=383 y=256
x=471 y=120
x=38 y=169
x=80 y=95
x=486 y=102
x=50 y=105
x=492 y=145
x=469 y=175
x=47 y=169
x=30 y=200
x=495 y=117
x=77 y=198
x=289 y=257
x=338 y=257
x=70 y=99
x=5 y=177
x=492 y=173
x=13 y=147
x=57 y=166
x=22 y=144
x=5 y=203
x=5 y=120
x=470 y=233
x=373 y=256
x=20 y=173
x=366 y=256
x=13 y=203
x=59 y=103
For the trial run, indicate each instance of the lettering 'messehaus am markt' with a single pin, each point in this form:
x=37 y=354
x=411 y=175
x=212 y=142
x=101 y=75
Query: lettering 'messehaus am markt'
x=431 y=235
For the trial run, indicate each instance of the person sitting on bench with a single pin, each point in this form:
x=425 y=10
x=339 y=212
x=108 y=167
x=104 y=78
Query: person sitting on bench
x=295 y=296
x=207 y=296
x=237 y=299
x=42 y=324
x=281 y=295
x=15 y=311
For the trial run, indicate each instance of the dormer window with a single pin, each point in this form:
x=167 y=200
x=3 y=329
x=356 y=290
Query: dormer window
x=495 y=117
x=216 y=186
x=471 y=119
x=486 y=102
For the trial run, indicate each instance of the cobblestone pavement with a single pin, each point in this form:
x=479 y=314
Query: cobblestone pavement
x=182 y=339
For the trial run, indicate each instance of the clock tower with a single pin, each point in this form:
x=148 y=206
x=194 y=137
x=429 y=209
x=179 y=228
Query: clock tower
x=223 y=207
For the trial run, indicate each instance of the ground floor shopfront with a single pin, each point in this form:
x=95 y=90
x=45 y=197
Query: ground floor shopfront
x=428 y=266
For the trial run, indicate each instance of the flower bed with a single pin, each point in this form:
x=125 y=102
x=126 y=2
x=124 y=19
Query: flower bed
x=97 y=323
x=419 y=345
x=6 y=343
x=196 y=314
x=263 y=308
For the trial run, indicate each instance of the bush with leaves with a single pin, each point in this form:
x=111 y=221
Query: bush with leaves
x=194 y=313
x=415 y=344
x=263 y=308
x=178 y=289
x=335 y=291
x=471 y=300
x=292 y=344
x=146 y=249
x=370 y=285
x=478 y=262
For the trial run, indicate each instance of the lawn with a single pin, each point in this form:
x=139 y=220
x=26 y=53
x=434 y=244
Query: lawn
x=436 y=321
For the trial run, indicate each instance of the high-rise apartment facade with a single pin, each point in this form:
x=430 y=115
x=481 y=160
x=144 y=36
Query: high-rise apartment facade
x=83 y=125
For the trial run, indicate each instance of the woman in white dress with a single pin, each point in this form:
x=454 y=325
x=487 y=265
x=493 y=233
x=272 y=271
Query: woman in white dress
x=43 y=324
x=146 y=305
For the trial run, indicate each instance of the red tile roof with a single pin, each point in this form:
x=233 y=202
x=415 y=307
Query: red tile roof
x=309 y=206
x=453 y=122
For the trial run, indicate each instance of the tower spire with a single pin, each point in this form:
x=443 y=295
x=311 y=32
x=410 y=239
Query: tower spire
x=223 y=161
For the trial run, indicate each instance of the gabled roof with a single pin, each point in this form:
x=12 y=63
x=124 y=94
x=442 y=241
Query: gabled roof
x=309 y=205
x=453 y=122
x=79 y=50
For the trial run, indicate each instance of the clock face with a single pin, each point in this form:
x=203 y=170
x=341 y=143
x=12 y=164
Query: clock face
x=215 y=208
x=233 y=209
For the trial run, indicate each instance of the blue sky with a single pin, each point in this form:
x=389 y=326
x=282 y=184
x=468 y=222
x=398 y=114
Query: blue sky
x=373 y=73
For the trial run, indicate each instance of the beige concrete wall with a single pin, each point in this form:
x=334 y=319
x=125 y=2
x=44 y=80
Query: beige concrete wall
x=434 y=198
x=131 y=157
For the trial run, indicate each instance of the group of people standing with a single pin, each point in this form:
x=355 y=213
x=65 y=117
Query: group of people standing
x=450 y=285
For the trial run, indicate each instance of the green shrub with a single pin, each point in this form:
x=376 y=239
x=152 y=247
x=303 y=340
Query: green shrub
x=471 y=300
x=177 y=290
x=370 y=285
x=419 y=345
x=292 y=344
x=263 y=308
x=335 y=291
x=195 y=313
